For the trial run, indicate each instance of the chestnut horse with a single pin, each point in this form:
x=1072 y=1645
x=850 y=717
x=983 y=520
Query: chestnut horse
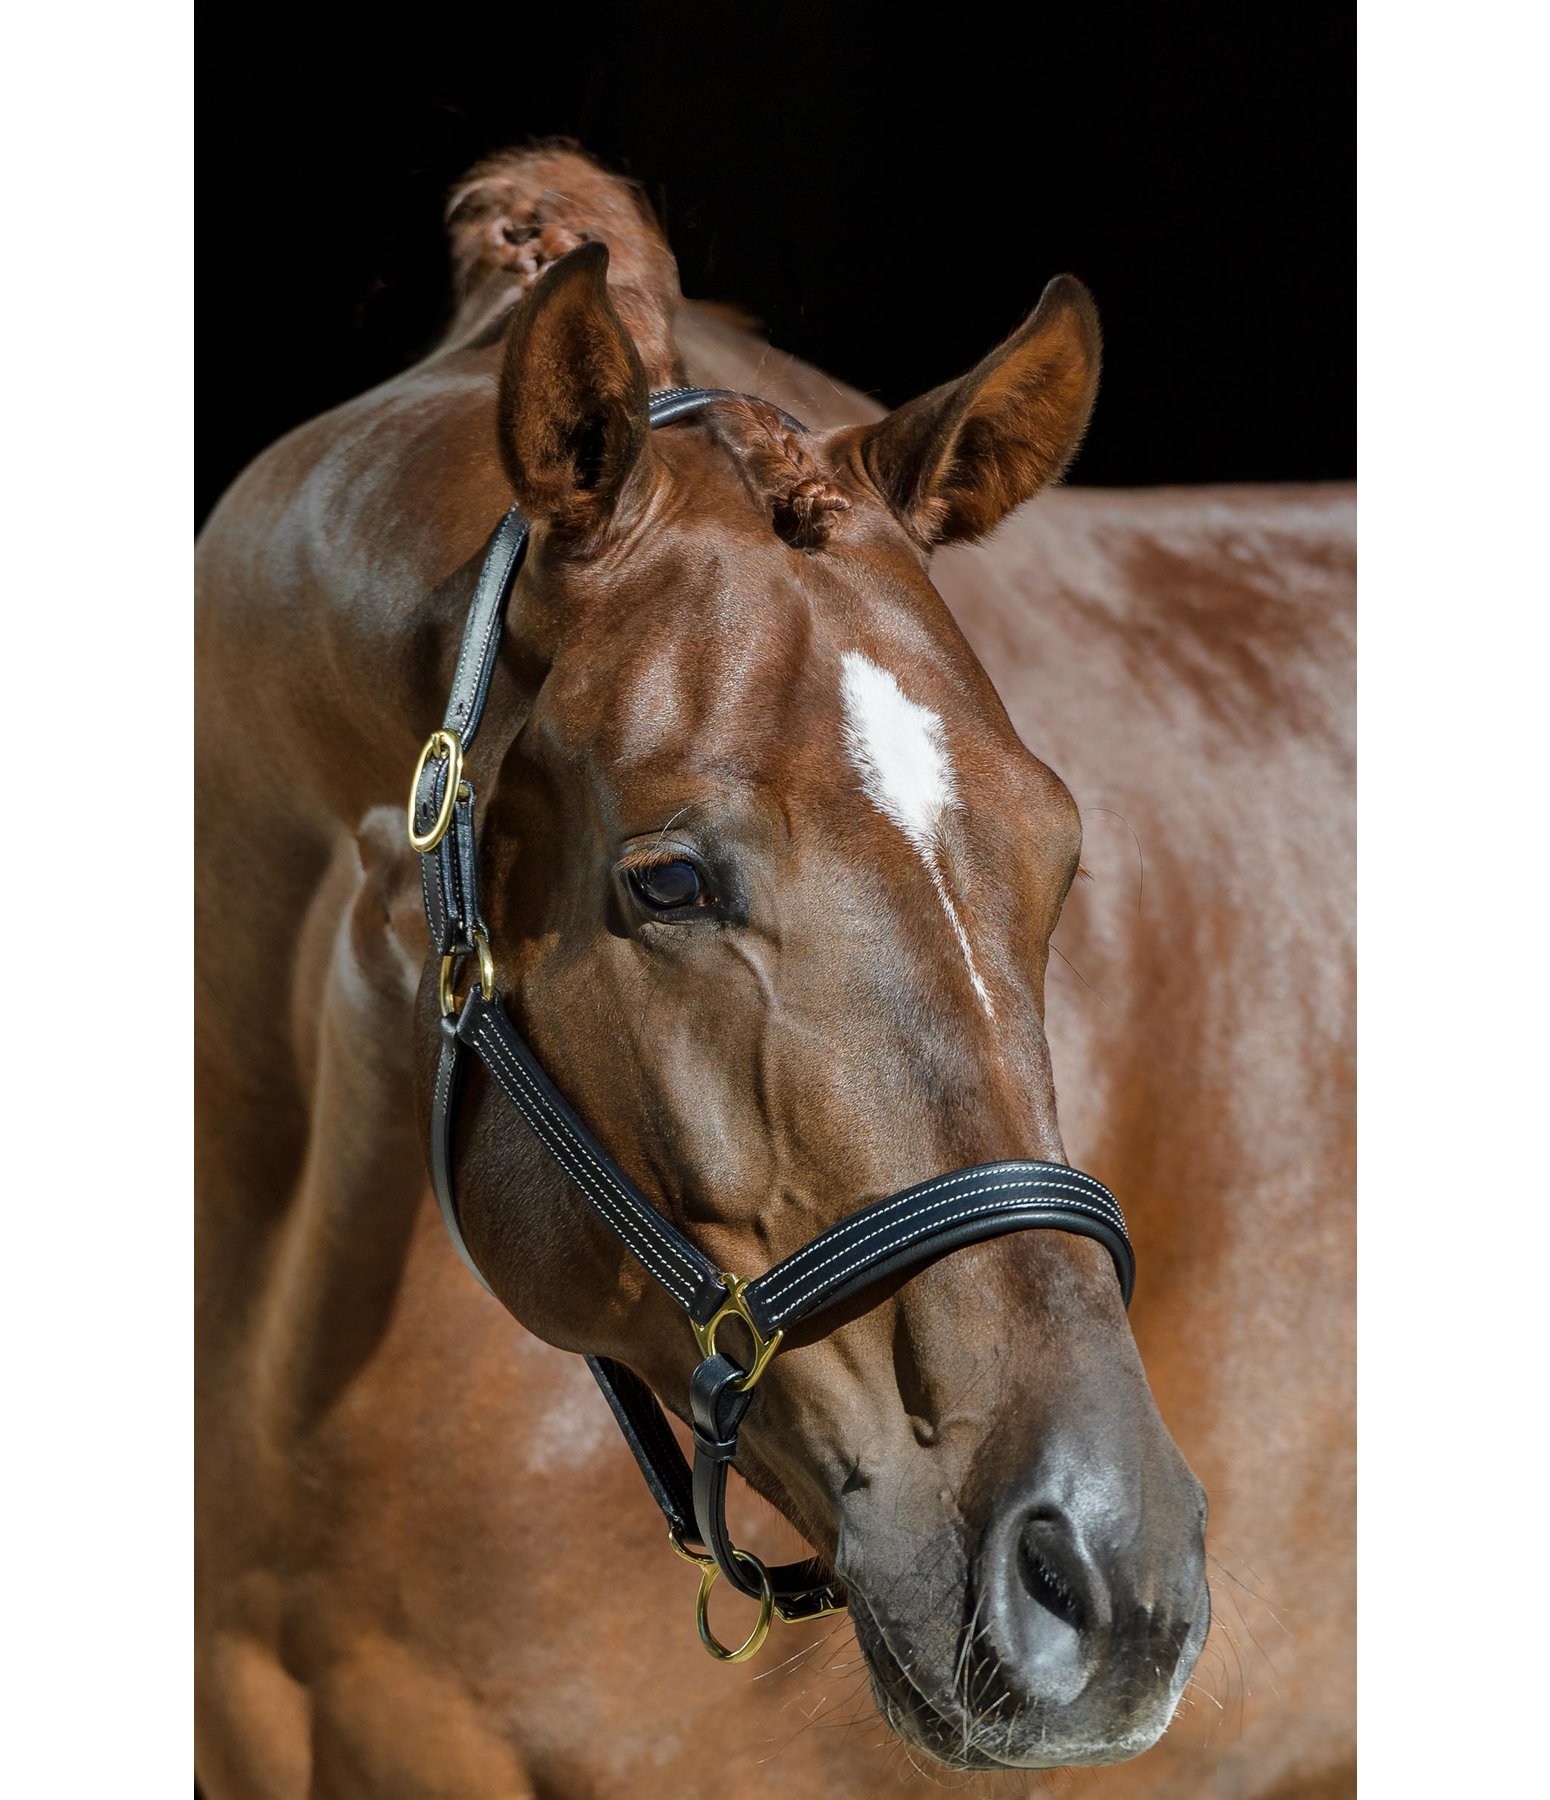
x=773 y=884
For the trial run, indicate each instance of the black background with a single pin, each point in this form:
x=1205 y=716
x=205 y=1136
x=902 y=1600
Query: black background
x=887 y=188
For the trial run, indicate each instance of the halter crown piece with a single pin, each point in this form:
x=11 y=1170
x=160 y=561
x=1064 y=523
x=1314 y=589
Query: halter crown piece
x=888 y=1238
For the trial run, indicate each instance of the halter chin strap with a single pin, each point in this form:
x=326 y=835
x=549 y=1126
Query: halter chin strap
x=890 y=1238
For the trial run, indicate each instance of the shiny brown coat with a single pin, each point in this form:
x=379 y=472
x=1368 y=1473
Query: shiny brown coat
x=426 y=1564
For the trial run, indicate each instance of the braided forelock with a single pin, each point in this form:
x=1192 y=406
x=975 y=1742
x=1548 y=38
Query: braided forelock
x=805 y=505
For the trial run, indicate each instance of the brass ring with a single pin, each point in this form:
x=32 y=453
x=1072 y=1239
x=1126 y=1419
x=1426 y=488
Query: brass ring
x=449 y=964
x=754 y=1642
x=439 y=743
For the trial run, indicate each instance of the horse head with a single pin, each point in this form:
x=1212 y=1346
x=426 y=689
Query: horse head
x=772 y=882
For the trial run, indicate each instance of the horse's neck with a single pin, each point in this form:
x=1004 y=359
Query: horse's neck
x=342 y=1245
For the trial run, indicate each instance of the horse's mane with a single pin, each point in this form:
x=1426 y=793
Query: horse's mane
x=518 y=211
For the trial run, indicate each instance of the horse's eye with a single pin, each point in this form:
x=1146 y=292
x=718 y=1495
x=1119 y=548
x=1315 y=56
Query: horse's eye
x=665 y=887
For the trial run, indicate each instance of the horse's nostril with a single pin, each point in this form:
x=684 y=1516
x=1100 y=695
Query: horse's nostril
x=1041 y=1612
x=1042 y=1578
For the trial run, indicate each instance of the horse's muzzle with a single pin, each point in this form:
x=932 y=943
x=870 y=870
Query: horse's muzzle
x=1085 y=1609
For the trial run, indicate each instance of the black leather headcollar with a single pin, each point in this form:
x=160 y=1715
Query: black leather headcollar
x=889 y=1238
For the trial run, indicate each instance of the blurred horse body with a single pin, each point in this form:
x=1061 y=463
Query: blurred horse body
x=427 y=1566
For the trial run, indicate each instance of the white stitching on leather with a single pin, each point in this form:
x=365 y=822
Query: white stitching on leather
x=443 y=1082
x=438 y=914
x=637 y=1210
x=912 y=1233
x=498 y=587
x=1094 y=1186
x=913 y=1229
x=794 y=1268
x=442 y=1079
x=519 y=1086
x=430 y=910
x=586 y=1178
x=447 y=876
x=467 y=859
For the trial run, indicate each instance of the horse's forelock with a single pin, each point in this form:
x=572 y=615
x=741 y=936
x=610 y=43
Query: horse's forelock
x=805 y=504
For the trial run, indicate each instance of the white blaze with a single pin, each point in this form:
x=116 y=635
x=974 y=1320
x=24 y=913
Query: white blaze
x=900 y=751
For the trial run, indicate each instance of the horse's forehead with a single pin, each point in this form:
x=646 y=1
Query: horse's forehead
x=716 y=644
x=799 y=706
x=719 y=687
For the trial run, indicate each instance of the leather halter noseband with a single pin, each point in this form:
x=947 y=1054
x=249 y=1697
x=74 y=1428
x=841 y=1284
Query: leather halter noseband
x=889 y=1238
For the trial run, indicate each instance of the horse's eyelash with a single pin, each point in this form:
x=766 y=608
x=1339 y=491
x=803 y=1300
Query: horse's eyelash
x=651 y=856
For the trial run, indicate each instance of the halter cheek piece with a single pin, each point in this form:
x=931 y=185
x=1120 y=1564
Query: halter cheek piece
x=886 y=1239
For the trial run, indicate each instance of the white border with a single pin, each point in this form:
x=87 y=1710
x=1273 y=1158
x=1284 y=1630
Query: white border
x=94 y=1281
x=95 y=1274
x=1454 y=416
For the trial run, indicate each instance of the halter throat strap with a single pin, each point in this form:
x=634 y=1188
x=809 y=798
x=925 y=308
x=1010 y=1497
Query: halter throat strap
x=886 y=1240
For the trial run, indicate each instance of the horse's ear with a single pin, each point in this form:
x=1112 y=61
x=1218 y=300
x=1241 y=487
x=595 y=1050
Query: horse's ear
x=573 y=399
x=954 y=463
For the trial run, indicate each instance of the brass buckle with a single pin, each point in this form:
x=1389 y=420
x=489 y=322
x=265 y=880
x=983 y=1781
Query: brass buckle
x=680 y=1548
x=449 y=1001
x=450 y=745
x=736 y=1307
x=754 y=1642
